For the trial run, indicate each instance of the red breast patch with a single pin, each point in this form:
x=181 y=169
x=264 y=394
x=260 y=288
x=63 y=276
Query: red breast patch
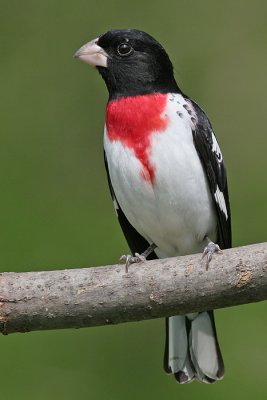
x=132 y=120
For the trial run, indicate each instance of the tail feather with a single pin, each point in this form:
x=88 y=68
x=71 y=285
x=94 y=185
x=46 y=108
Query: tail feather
x=178 y=343
x=204 y=349
x=177 y=359
x=192 y=349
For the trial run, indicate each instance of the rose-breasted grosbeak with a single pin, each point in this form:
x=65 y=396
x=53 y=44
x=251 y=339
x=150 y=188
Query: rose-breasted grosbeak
x=167 y=179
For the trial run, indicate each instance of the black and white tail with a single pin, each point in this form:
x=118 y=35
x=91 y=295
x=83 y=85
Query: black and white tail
x=192 y=350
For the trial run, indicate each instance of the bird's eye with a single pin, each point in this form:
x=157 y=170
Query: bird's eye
x=124 y=49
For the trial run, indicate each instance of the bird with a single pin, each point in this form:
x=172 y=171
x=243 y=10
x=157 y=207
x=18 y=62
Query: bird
x=167 y=179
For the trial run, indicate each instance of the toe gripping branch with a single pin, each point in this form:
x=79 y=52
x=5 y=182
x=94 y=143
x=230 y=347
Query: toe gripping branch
x=209 y=250
x=137 y=258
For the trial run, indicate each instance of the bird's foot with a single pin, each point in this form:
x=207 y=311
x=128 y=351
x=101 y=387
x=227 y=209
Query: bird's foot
x=209 y=250
x=137 y=258
x=128 y=260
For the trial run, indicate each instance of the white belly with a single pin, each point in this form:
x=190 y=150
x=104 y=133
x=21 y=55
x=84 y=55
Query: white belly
x=176 y=212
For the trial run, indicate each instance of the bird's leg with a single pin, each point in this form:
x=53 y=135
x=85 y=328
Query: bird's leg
x=209 y=250
x=128 y=259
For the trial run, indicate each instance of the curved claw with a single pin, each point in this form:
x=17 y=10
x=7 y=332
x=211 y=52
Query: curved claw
x=128 y=259
x=209 y=250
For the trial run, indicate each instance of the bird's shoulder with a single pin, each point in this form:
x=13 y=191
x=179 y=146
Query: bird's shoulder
x=208 y=147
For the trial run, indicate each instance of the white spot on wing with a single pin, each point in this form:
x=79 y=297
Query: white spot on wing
x=219 y=197
x=215 y=147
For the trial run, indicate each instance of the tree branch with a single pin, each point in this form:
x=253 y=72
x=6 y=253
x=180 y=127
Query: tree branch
x=86 y=297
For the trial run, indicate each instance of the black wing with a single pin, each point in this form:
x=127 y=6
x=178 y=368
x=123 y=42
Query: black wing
x=212 y=161
x=135 y=241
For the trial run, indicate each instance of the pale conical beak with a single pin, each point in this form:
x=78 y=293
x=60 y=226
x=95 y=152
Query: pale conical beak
x=92 y=54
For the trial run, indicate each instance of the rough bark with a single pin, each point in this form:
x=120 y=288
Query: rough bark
x=75 y=298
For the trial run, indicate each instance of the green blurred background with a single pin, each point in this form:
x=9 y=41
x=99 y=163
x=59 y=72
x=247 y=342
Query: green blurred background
x=56 y=211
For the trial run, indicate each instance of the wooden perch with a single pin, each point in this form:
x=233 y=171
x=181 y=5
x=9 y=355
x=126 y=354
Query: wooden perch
x=76 y=298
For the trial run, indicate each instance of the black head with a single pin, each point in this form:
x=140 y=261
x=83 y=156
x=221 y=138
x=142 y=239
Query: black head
x=135 y=63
